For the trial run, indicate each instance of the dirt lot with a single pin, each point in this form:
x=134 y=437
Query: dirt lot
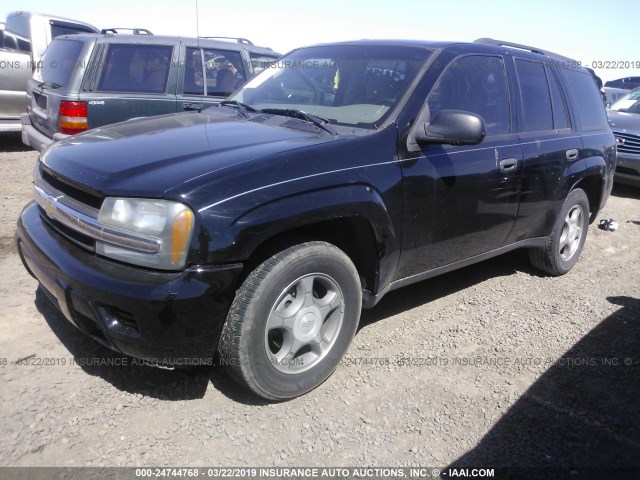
x=506 y=367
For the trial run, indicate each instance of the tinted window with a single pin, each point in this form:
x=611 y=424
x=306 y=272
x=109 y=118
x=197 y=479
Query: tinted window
x=536 y=100
x=560 y=114
x=58 y=29
x=587 y=98
x=136 y=68
x=11 y=41
x=223 y=70
x=193 y=83
x=60 y=60
x=476 y=84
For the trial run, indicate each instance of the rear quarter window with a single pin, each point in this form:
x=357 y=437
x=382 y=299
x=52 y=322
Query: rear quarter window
x=60 y=60
x=587 y=100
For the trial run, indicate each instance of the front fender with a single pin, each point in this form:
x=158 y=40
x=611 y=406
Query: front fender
x=347 y=201
x=355 y=201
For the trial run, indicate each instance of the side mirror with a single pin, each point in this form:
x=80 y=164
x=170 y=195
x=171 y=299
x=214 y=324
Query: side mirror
x=452 y=127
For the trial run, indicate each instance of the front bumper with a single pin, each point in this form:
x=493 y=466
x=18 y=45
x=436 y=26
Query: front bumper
x=628 y=169
x=172 y=318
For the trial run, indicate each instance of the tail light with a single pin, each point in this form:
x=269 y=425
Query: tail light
x=72 y=117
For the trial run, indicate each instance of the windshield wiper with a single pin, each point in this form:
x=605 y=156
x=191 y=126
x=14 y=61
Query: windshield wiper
x=53 y=85
x=319 y=122
x=242 y=108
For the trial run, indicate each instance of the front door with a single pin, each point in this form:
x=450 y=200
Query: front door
x=461 y=201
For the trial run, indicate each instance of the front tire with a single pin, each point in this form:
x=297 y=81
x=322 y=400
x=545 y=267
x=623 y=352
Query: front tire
x=292 y=320
x=569 y=233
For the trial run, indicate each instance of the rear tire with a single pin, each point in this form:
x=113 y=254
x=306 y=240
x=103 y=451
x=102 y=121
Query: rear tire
x=563 y=248
x=292 y=320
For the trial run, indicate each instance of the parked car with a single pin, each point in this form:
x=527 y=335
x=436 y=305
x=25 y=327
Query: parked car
x=627 y=83
x=624 y=118
x=257 y=230
x=92 y=80
x=612 y=95
x=24 y=39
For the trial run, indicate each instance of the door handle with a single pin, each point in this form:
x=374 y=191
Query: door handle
x=508 y=165
x=190 y=107
x=572 y=154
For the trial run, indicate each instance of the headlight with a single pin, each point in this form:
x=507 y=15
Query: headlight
x=168 y=225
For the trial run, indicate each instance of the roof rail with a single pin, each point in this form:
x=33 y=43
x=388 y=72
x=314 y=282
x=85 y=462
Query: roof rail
x=235 y=39
x=502 y=43
x=135 y=31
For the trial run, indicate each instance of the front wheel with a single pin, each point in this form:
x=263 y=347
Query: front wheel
x=563 y=248
x=292 y=320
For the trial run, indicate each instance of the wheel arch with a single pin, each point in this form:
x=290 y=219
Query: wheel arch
x=354 y=218
x=589 y=175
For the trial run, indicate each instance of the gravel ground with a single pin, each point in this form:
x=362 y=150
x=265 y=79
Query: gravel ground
x=490 y=365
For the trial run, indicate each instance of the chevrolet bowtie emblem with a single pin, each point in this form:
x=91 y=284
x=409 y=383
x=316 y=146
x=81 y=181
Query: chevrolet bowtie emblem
x=49 y=208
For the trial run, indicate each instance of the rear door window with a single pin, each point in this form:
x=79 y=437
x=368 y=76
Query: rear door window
x=59 y=62
x=136 y=68
x=536 y=99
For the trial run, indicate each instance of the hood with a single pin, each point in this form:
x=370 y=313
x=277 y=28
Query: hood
x=148 y=157
x=624 y=122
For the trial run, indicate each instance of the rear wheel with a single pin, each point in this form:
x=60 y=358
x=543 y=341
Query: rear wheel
x=292 y=321
x=563 y=248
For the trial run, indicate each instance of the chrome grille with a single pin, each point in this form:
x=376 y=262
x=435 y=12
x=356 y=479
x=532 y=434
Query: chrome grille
x=627 y=142
x=78 y=221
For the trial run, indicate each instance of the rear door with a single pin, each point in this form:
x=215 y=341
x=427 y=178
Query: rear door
x=550 y=144
x=131 y=80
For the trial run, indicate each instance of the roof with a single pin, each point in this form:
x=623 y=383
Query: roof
x=485 y=45
x=169 y=39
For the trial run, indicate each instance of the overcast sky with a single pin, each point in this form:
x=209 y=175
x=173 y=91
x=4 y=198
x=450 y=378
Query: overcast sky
x=588 y=30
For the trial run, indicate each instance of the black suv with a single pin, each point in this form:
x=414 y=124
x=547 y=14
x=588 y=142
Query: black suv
x=91 y=80
x=256 y=231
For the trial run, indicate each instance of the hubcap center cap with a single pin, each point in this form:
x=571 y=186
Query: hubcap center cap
x=307 y=324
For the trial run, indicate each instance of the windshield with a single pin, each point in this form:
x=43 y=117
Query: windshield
x=630 y=103
x=345 y=85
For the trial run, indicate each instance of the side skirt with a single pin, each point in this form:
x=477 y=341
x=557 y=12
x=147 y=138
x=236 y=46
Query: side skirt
x=369 y=299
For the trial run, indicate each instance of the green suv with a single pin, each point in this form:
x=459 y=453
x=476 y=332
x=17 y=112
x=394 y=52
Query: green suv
x=91 y=80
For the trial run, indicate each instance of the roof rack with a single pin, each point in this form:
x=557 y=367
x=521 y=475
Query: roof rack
x=135 y=31
x=502 y=43
x=235 y=39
